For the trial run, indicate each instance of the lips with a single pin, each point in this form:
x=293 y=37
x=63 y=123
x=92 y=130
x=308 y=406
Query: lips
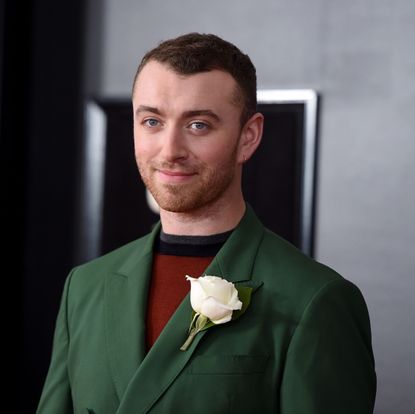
x=175 y=173
x=173 y=176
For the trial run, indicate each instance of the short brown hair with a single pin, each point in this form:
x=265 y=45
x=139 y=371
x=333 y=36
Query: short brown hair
x=195 y=52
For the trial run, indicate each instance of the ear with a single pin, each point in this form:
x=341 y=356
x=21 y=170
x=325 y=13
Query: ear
x=251 y=136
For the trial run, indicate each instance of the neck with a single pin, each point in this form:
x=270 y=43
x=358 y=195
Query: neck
x=212 y=219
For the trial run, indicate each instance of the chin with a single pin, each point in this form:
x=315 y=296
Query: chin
x=186 y=203
x=180 y=206
x=190 y=198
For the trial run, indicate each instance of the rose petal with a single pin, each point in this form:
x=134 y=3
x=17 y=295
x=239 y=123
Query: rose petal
x=217 y=287
x=214 y=297
x=234 y=302
x=225 y=319
x=197 y=294
x=215 y=310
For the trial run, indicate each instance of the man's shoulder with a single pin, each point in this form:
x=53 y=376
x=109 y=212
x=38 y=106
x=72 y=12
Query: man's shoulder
x=285 y=267
x=112 y=261
x=278 y=261
x=297 y=280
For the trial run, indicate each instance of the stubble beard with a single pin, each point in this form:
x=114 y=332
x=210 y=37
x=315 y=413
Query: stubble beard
x=208 y=186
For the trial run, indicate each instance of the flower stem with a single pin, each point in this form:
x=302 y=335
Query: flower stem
x=199 y=322
x=189 y=339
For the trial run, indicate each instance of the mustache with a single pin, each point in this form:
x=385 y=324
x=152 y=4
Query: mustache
x=175 y=167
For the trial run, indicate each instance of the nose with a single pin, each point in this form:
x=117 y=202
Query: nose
x=173 y=146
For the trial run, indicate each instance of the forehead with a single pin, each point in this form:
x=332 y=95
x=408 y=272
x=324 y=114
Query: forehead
x=157 y=84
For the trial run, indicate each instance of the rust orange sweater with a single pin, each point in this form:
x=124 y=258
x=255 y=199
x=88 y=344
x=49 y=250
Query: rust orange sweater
x=168 y=288
x=174 y=258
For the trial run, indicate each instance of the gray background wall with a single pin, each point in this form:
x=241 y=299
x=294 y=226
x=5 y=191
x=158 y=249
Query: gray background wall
x=359 y=55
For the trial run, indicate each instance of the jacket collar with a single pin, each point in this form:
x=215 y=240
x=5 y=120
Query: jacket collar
x=145 y=378
x=125 y=311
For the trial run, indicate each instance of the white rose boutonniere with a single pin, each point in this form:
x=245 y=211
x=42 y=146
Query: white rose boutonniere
x=214 y=301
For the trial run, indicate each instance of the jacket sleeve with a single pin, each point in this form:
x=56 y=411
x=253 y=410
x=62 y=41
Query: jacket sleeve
x=330 y=366
x=56 y=394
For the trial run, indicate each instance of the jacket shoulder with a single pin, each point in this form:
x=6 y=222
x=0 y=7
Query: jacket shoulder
x=93 y=271
x=285 y=257
x=294 y=276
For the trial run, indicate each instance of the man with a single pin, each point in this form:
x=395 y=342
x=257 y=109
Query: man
x=303 y=345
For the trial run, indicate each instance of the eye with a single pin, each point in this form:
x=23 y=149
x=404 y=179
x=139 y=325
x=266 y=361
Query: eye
x=198 y=126
x=151 y=122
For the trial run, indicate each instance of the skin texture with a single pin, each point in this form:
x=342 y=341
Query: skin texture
x=190 y=147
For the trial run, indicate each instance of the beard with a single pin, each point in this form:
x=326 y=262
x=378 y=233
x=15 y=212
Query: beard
x=204 y=189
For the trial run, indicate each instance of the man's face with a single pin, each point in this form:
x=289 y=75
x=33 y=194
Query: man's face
x=186 y=136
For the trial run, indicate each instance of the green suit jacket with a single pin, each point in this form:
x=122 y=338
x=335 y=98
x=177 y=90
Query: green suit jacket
x=303 y=346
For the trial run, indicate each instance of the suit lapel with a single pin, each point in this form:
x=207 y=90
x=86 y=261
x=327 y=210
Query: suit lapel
x=165 y=360
x=235 y=261
x=125 y=310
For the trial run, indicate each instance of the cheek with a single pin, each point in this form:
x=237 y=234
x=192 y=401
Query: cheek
x=142 y=144
x=136 y=142
x=142 y=149
x=220 y=153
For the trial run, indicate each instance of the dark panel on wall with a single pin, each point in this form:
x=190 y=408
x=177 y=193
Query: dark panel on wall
x=272 y=178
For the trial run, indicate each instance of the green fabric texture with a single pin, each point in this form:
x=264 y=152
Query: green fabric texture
x=303 y=345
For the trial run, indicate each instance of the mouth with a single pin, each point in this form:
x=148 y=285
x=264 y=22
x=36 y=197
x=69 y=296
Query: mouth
x=172 y=176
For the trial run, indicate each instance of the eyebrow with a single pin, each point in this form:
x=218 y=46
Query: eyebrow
x=145 y=108
x=186 y=114
x=207 y=112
